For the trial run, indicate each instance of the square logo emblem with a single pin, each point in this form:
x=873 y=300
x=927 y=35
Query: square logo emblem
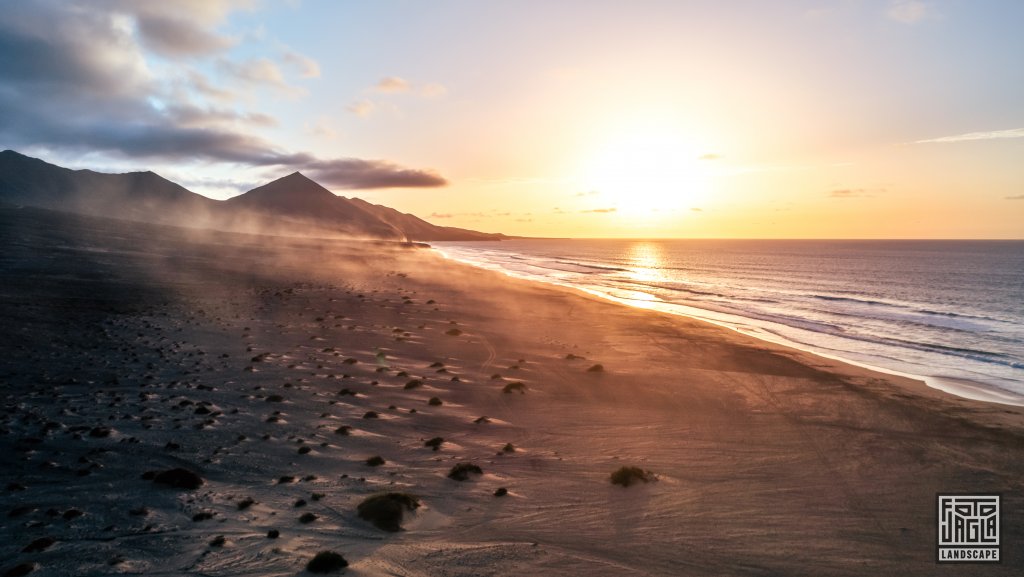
x=968 y=528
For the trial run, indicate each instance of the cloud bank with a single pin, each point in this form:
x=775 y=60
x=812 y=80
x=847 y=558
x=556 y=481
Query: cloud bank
x=989 y=135
x=85 y=80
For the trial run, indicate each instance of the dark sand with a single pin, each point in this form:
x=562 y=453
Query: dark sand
x=131 y=348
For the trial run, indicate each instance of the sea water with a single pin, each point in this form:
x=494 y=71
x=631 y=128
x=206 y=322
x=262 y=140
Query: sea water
x=951 y=312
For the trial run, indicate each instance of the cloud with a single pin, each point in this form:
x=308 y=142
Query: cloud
x=989 y=135
x=81 y=83
x=907 y=11
x=696 y=210
x=587 y=193
x=1016 y=197
x=709 y=156
x=304 y=65
x=601 y=210
x=433 y=90
x=391 y=84
x=361 y=108
x=354 y=173
x=850 y=193
x=176 y=37
x=441 y=215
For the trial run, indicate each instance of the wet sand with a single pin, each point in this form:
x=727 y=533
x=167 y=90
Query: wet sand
x=135 y=348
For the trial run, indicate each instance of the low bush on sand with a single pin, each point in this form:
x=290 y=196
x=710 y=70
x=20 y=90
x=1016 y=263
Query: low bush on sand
x=386 y=510
x=627 y=476
x=326 y=562
x=514 y=387
x=462 y=471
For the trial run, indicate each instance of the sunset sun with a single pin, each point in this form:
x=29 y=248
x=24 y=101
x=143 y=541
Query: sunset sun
x=647 y=171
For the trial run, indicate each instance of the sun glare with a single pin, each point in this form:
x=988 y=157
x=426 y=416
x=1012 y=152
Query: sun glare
x=646 y=172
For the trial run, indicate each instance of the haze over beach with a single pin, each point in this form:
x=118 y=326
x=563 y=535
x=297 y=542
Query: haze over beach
x=464 y=288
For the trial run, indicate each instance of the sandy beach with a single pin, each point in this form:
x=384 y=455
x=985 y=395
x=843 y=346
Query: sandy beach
x=276 y=369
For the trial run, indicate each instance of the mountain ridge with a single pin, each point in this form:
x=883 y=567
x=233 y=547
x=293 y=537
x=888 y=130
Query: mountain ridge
x=293 y=205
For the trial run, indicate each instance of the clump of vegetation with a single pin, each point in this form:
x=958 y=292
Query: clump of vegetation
x=481 y=420
x=343 y=430
x=371 y=415
x=627 y=476
x=413 y=384
x=572 y=357
x=434 y=443
x=386 y=510
x=40 y=544
x=375 y=461
x=435 y=402
x=308 y=518
x=501 y=492
x=245 y=503
x=461 y=471
x=514 y=387
x=273 y=534
x=350 y=361
x=275 y=399
x=218 y=541
x=596 y=368
x=179 y=478
x=304 y=450
x=453 y=332
x=326 y=562
x=508 y=448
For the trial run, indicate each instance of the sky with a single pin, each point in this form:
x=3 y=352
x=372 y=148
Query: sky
x=589 y=118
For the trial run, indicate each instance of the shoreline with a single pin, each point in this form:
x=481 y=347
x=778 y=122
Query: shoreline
x=241 y=358
x=960 y=387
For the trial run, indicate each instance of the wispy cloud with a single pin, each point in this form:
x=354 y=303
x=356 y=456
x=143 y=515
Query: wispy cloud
x=908 y=11
x=709 y=156
x=304 y=65
x=851 y=193
x=1015 y=197
x=391 y=84
x=988 y=135
x=601 y=210
x=361 y=108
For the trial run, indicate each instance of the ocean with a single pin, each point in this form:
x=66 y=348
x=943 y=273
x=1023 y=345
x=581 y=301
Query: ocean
x=949 y=312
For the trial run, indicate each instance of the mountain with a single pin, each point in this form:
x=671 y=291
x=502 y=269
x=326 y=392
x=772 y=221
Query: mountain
x=293 y=205
x=132 y=196
x=300 y=201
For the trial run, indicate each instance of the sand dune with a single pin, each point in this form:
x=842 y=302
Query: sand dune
x=252 y=361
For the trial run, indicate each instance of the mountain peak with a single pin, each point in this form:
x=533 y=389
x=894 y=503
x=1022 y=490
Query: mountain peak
x=291 y=189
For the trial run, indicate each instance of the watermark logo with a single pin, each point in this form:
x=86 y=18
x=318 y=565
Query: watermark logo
x=968 y=528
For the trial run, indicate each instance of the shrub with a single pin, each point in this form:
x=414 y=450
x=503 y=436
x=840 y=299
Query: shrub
x=435 y=402
x=453 y=332
x=386 y=510
x=434 y=443
x=626 y=476
x=413 y=384
x=308 y=518
x=375 y=461
x=501 y=492
x=326 y=562
x=508 y=448
x=514 y=387
x=343 y=430
x=179 y=478
x=371 y=415
x=596 y=368
x=462 y=471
